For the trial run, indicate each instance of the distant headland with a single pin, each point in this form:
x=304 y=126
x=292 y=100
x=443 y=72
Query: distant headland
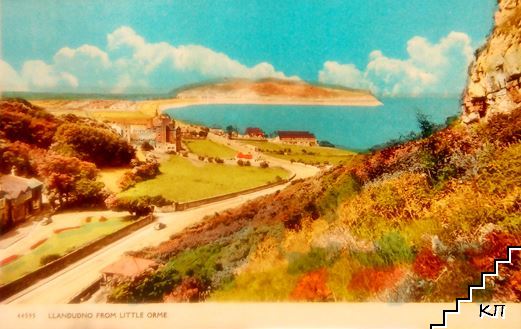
x=274 y=91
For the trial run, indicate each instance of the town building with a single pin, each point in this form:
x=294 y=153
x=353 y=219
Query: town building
x=254 y=133
x=127 y=267
x=20 y=198
x=303 y=138
x=160 y=131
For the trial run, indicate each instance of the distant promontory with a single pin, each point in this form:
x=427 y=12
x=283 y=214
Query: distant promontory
x=274 y=91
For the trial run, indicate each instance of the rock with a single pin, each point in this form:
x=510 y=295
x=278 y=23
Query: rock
x=496 y=64
x=470 y=118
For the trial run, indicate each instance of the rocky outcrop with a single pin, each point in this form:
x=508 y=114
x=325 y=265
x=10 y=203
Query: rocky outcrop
x=494 y=84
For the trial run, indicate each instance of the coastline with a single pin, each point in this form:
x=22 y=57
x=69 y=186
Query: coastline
x=369 y=101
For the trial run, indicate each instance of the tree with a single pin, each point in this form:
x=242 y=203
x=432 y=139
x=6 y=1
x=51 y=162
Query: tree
x=230 y=130
x=427 y=127
x=95 y=144
x=70 y=181
x=22 y=121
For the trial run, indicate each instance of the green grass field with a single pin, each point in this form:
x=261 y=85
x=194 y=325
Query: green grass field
x=209 y=148
x=304 y=154
x=61 y=244
x=180 y=180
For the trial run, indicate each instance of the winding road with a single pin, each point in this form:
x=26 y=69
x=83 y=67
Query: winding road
x=63 y=286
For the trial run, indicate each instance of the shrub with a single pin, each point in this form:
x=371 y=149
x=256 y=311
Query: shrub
x=264 y=164
x=137 y=207
x=312 y=287
x=219 y=160
x=427 y=265
x=201 y=157
x=393 y=248
x=240 y=162
x=102 y=219
x=374 y=281
x=189 y=290
x=247 y=163
x=49 y=258
x=146 y=146
x=315 y=259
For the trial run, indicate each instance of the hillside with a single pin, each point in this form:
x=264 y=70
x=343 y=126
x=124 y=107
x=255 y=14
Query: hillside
x=415 y=222
x=275 y=91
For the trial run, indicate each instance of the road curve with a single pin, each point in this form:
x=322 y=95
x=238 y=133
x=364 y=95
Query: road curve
x=64 y=285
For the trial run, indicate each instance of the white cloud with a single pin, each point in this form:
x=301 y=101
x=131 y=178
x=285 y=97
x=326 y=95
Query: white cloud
x=335 y=73
x=10 y=80
x=42 y=76
x=129 y=62
x=438 y=68
x=191 y=58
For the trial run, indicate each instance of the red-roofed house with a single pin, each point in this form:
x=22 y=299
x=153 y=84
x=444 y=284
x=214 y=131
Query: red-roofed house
x=254 y=133
x=304 y=138
x=127 y=267
x=19 y=198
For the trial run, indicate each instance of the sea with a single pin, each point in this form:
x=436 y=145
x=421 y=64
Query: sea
x=349 y=127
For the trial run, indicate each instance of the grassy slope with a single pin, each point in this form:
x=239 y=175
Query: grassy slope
x=207 y=148
x=416 y=222
x=61 y=244
x=305 y=154
x=181 y=180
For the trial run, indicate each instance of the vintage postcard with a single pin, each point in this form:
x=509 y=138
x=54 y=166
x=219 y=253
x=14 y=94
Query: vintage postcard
x=260 y=164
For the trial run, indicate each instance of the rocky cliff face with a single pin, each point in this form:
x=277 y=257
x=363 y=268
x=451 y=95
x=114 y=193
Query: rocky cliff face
x=495 y=75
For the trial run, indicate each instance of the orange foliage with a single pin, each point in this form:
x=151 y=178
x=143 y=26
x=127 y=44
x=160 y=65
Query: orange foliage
x=312 y=287
x=427 y=265
x=375 y=280
x=494 y=247
x=189 y=290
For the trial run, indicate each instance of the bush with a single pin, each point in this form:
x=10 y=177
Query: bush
x=393 y=248
x=49 y=258
x=137 y=207
x=219 y=160
x=427 y=265
x=312 y=287
x=240 y=162
x=247 y=164
x=264 y=164
x=146 y=146
x=313 y=260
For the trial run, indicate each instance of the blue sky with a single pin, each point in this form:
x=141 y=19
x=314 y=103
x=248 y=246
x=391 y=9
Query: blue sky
x=414 y=47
